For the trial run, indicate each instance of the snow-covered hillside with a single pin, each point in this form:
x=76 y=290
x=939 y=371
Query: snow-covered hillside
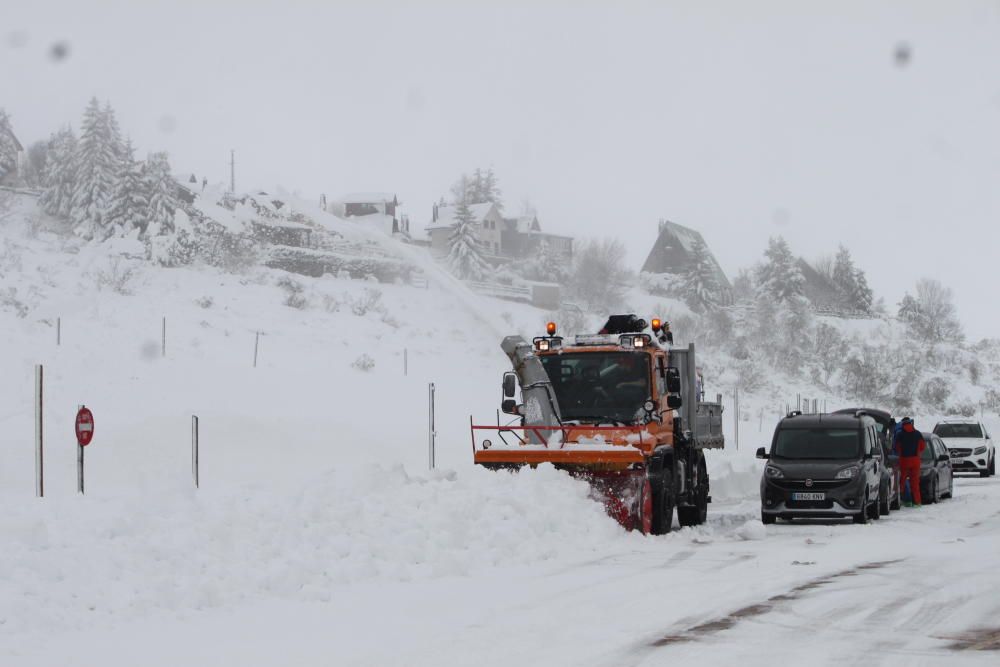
x=317 y=518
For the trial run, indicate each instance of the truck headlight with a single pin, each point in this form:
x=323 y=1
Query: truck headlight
x=773 y=473
x=980 y=450
x=847 y=473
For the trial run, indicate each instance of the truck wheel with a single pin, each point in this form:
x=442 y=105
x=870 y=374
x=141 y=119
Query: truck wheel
x=993 y=465
x=698 y=514
x=884 y=504
x=897 y=500
x=876 y=511
x=663 y=507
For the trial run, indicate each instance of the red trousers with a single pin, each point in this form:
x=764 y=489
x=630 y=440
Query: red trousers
x=909 y=469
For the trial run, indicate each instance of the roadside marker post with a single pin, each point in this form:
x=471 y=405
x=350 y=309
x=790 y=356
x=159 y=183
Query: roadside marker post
x=39 y=462
x=194 y=450
x=431 y=433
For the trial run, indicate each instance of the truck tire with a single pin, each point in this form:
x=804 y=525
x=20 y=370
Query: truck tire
x=897 y=499
x=663 y=505
x=698 y=513
x=884 y=502
x=767 y=519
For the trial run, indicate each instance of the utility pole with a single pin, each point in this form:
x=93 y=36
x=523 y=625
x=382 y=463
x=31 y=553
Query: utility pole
x=232 y=171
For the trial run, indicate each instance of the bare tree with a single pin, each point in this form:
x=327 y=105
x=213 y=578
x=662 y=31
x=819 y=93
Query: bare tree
x=931 y=314
x=600 y=274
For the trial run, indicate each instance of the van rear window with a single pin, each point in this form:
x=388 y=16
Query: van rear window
x=817 y=443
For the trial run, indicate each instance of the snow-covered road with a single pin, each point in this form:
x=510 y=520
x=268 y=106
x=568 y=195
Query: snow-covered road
x=917 y=587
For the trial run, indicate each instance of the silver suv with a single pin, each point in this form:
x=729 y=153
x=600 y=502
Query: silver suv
x=969 y=445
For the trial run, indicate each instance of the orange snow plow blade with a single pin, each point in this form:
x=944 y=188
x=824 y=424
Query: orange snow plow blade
x=524 y=455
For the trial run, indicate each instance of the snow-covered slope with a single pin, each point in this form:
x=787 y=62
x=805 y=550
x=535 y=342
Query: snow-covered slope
x=315 y=499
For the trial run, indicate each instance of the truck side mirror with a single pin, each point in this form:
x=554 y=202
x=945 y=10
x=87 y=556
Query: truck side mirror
x=674 y=401
x=509 y=384
x=944 y=458
x=673 y=380
x=509 y=406
x=761 y=453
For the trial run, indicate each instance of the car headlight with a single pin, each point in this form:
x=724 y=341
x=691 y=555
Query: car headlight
x=847 y=473
x=980 y=450
x=773 y=473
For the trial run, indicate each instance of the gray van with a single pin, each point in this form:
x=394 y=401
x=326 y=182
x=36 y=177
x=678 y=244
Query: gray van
x=822 y=466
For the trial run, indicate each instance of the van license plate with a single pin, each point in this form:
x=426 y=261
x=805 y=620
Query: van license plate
x=808 y=496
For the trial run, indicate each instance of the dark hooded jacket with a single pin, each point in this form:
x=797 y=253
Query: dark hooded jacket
x=908 y=443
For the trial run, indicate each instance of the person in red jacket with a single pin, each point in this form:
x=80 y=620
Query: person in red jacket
x=908 y=445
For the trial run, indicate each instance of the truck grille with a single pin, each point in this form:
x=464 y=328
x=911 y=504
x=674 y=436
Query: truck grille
x=817 y=484
x=959 y=452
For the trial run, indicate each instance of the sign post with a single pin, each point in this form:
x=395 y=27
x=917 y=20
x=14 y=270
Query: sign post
x=84 y=434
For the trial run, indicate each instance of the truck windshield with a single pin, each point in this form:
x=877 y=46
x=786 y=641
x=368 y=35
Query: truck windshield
x=958 y=431
x=599 y=386
x=817 y=443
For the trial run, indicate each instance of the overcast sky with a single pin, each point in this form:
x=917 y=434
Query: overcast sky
x=742 y=120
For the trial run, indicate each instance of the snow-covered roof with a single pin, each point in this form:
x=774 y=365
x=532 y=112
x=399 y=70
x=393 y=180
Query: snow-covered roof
x=446 y=215
x=368 y=198
x=524 y=224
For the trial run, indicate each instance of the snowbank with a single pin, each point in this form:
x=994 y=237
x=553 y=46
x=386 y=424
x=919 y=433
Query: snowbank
x=82 y=560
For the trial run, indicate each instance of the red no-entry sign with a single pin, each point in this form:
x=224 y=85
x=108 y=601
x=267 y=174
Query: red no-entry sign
x=84 y=426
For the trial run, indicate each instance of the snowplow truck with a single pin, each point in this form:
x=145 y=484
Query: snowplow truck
x=620 y=409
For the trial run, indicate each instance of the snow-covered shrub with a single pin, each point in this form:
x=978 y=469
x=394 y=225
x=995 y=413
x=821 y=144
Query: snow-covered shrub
x=750 y=375
x=294 y=293
x=10 y=301
x=369 y=301
x=569 y=319
x=116 y=274
x=363 y=363
x=962 y=409
x=868 y=375
x=934 y=392
x=234 y=253
x=662 y=284
x=205 y=302
x=332 y=303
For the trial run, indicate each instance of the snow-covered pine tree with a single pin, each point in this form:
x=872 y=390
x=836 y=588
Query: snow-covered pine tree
x=465 y=254
x=163 y=200
x=701 y=286
x=96 y=165
x=114 y=132
x=8 y=149
x=852 y=286
x=169 y=234
x=59 y=177
x=490 y=189
x=129 y=202
x=779 y=276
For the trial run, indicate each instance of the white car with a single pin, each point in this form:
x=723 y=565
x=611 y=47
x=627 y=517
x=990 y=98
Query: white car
x=969 y=445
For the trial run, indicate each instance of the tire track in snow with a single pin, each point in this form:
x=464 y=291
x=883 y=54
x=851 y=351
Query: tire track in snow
x=713 y=626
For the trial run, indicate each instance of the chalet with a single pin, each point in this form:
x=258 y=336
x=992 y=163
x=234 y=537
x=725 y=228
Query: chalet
x=523 y=236
x=11 y=173
x=672 y=253
x=486 y=217
x=374 y=209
